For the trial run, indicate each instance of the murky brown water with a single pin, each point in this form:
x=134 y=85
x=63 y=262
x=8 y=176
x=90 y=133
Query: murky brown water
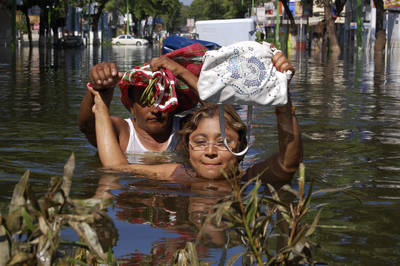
x=349 y=110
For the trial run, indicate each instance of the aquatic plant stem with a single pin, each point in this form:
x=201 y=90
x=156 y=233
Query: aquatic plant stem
x=246 y=226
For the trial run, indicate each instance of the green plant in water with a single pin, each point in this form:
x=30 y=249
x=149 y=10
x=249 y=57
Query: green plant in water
x=260 y=219
x=30 y=233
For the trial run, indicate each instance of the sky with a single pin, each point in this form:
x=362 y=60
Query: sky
x=186 y=2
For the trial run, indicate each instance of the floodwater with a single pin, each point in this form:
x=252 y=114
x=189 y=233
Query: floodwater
x=348 y=108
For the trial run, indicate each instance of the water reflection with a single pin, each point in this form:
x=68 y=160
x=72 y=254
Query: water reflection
x=178 y=209
x=348 y=108
x=350 y=125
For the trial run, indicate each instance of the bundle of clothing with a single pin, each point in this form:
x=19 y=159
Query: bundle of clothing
x=162 y=88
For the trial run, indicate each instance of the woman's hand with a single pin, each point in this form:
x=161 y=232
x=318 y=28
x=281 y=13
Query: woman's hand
x=99 y=107
x=281 y=63
x=104 y=76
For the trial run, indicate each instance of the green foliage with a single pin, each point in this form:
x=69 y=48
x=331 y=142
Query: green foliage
x=22 y=27
x=220 y=9
x=168 y=10
x=259 y=219
x=31 y=230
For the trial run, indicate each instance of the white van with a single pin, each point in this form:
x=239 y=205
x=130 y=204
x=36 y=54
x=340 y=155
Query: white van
x=226 y=31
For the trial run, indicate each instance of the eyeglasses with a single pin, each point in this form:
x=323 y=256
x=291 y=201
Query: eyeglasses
x=201 y=145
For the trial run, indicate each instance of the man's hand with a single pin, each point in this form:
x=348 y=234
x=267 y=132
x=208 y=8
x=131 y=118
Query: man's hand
x=164 y=62
x=104 y=76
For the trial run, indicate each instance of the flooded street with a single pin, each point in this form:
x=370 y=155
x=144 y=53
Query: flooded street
x=349 y=112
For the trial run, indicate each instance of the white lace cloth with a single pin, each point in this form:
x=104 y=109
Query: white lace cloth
x=242 y=73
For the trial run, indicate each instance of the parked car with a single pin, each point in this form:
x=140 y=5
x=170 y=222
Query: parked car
x=70 y=42
x=129 y=40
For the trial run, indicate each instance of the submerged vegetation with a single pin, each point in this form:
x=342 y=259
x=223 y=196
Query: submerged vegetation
x=271 y=223
x=30 y=233
x=272 y=226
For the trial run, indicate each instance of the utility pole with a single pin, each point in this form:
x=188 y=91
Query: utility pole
x=277 y=24
x=89 y=20
x=127 y=17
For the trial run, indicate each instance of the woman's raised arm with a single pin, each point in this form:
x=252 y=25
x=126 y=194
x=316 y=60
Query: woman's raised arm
x=110 y=152
x=282 y=166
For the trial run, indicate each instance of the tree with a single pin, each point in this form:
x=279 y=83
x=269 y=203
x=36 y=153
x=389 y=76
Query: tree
x=168 y=10
x=330 y=24
x=44 y=25
x=57 y=18
x=216 y=9
x=380 y=35
x=95 y=18
x=330 y=28
x=26 y=5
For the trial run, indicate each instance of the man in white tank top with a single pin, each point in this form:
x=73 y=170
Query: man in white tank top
x=149 y=129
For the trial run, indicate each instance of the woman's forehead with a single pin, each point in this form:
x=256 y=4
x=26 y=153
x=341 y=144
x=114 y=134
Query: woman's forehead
x=210 y=127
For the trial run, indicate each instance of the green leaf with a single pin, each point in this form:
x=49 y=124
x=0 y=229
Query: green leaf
x=309 y=194
x=244 y=186
x=76 y=262
x=110 y=257
x=331 y=190
x=27 y=220
x=314 y=224
x=221 y=209
x=301 y=180
x=283 y=208
x=250 y=217
x=299 y=236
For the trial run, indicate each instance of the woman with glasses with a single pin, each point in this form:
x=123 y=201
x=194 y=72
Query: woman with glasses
x=201 y=139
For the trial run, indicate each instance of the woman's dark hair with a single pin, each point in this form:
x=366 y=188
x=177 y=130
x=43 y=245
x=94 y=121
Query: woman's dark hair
x=232 y=119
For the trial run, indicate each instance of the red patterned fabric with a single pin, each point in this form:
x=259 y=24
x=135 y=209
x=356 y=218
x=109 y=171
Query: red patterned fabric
x=169 y=93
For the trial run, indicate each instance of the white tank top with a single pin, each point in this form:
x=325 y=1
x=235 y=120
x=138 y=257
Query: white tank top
x=135 y=146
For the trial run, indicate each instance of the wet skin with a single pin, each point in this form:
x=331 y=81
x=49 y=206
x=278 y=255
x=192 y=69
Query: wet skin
x=208 y=163
x=149 y=119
